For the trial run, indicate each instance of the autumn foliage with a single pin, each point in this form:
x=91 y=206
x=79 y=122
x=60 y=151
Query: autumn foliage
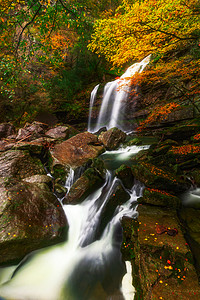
x=158 y=114
x=139 y=28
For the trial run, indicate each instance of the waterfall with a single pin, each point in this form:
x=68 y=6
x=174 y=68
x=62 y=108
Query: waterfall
x=88 y=264
x=115 y=96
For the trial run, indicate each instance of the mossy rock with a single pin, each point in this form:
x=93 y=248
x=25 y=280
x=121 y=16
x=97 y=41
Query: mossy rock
x=159 y=260
x=159 y=198
x=195 y=174
x=30 y=218
x=125 y=174
x=112 y=138
x=181 y=132
x=159 y=178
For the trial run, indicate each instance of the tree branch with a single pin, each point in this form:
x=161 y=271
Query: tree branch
x=27 y=24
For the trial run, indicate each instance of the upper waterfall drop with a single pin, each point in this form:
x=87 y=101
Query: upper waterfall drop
x=112 y=109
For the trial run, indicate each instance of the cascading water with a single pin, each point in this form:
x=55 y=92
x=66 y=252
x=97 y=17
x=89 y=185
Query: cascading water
x=88 y=265
x=115 y=95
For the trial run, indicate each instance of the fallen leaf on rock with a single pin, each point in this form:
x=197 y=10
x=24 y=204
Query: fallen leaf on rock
x=161 y=229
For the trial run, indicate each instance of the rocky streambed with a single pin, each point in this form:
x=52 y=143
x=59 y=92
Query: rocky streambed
x=163 y=243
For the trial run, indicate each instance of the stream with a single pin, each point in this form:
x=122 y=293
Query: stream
x=83 y=267
x=88 y=265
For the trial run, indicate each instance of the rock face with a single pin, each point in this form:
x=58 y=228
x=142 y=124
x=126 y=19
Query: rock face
x=161 y=259
x=76 y=151
x=112 y=138
x=30 y=215
x=190 y=218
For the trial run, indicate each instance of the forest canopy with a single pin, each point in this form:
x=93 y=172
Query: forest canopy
x=139 y=28
x=53 y=50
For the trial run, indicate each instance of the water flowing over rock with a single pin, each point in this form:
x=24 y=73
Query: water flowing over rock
x=89 y=181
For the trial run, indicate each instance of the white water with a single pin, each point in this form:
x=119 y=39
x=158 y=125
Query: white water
x=115 y=94
x=82 y=267
x=85 y=266
x=92 y=99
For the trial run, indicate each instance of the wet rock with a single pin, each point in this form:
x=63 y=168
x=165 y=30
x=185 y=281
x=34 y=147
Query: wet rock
x=112 y=138
x=6 y=129
x=75 y=152
x=125 y=174
x=59 y=190
x=159 y=198
x=89 y=181
x=30 y=218
x=162 y=263
x=117 y=198
x=159 y=178
x=60 y=132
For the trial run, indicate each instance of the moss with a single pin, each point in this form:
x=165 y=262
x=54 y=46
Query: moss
x=59 y=173
x=125 y=175
x=159 y=198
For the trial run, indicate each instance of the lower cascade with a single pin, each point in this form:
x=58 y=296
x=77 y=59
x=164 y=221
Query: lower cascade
x=88 y=265
x=83 y=267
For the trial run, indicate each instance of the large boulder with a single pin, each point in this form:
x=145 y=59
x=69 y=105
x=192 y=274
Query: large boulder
x=30 y=215
x=30 y=218
x=6 y=129
x=161 y=258
x=112 y=138
x=31 y=131
x=74 y=152
x=19 y=164
x=125 y=174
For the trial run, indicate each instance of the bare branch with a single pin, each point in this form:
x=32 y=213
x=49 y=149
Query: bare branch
x=27 y=24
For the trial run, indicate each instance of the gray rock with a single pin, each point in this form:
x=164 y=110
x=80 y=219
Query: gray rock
x=60 y=132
